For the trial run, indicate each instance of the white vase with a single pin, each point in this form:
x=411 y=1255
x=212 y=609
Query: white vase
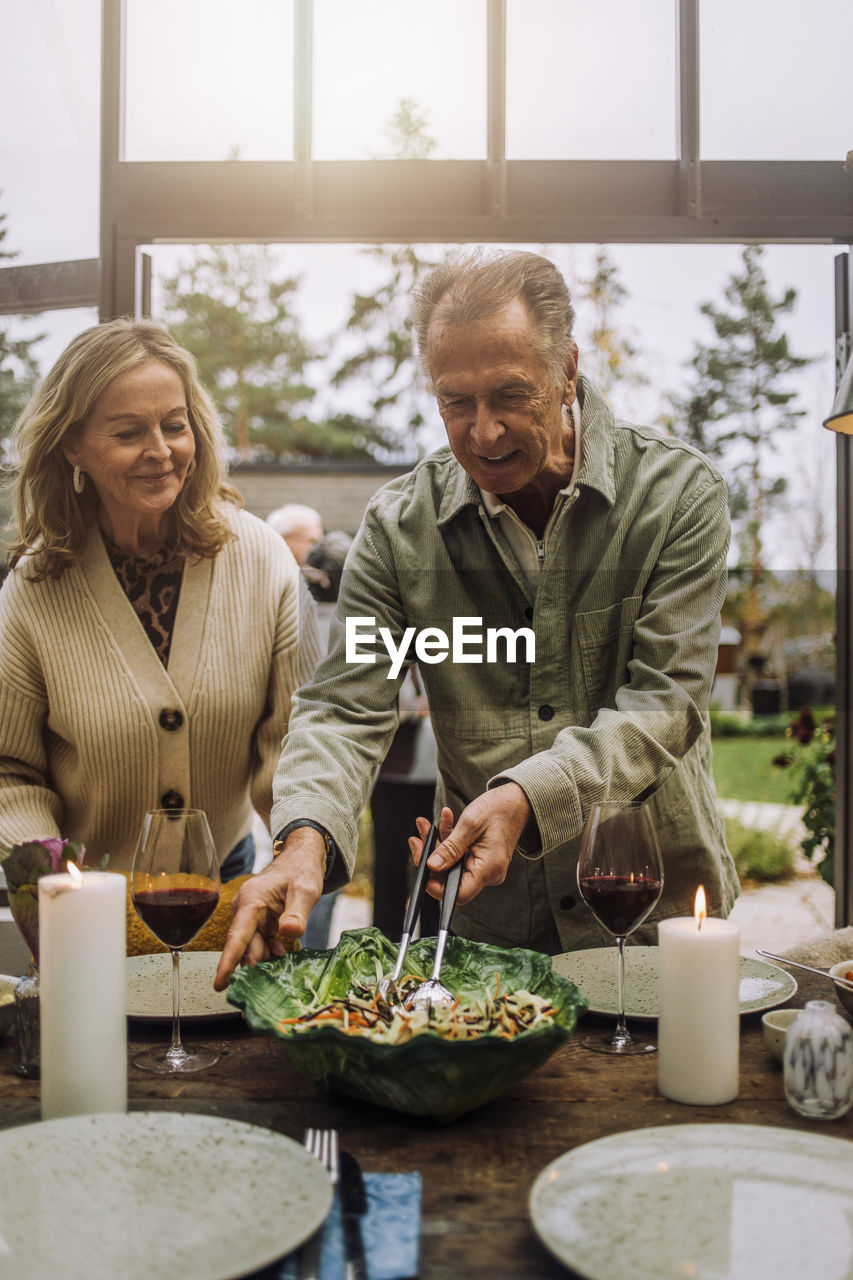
x=818 y=1062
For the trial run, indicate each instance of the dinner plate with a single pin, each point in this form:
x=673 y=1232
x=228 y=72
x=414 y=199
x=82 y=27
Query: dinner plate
x=762 y=986
x=149 y=988
x=153 y=1193
x=710 y=1201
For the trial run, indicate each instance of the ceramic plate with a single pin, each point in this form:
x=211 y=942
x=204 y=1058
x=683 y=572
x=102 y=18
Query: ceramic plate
x=149 y=988
x=710 y=1201
x=762 y=986
x=153 y=1193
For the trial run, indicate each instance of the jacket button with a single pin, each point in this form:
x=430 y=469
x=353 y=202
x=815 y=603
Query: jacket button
x=567 y=902
x=546 y=712
x=172 y=800
x=528 y=613
x=171 y=719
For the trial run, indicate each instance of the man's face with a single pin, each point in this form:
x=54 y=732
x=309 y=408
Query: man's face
x=501 y=408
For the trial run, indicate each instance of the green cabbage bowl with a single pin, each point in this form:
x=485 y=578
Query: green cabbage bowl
x=428 y=1075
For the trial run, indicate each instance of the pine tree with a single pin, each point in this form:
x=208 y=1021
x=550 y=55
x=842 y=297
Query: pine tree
x=610 y=358
x=378 y=335
x=739 y=401
x=19 y=368
x=227 y=307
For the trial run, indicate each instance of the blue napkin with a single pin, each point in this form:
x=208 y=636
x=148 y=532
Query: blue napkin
x=391 y=1229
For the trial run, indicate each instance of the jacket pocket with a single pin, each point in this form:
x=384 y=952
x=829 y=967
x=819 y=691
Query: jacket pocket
x=604 y=640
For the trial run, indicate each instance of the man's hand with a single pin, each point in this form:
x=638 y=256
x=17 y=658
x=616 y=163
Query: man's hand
x=274 y=904
x=488 y=830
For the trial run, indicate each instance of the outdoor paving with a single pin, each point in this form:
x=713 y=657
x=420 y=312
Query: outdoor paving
x=786 y=913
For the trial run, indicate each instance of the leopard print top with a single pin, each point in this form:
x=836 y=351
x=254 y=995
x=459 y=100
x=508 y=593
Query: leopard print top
x=153 y=586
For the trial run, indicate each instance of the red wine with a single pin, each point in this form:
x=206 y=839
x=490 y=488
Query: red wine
x=620 y=902
x=175 y=915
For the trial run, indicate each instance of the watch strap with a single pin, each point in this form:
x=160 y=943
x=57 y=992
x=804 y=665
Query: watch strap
x=331 y=847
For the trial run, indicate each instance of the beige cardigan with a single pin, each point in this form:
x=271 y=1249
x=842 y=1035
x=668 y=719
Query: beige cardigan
x=85 y=747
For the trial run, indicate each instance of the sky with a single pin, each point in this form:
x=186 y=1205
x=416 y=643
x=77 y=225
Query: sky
x=201 y=84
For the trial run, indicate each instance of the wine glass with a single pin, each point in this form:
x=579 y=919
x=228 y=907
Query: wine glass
x=620 y=878
x=174 y=884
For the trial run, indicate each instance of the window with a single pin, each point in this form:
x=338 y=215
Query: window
x=372 y=56
x=775 y=80
x=591 y=81
x=50 y=72
x=209 y=80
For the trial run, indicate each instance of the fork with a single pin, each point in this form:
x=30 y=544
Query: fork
x=323 y=1144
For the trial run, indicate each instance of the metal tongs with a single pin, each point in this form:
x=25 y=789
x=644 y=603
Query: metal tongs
x=433 y=992
x=387 y=988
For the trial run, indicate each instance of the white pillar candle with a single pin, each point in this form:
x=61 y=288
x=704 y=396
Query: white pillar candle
x=699 y=1010
x=82 y=951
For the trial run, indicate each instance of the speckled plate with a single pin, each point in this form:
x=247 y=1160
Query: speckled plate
x=711 y=1201
x=762 y=986
x=153 y=1193
x=149 y=988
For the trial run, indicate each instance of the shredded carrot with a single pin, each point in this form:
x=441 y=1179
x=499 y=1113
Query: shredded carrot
x=363 y=1012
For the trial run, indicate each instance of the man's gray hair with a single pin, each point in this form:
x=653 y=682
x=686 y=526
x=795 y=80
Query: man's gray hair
x=474 y=285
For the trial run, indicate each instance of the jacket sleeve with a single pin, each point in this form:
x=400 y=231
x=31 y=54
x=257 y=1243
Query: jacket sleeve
x=28 y=805
x=296 y=650
x=630 y=748
x=344 y=719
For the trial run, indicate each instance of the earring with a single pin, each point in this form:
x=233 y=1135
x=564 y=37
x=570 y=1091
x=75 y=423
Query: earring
x=78 y=480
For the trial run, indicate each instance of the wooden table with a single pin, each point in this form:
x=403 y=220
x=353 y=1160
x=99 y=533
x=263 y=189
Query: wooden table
x=477 y=1172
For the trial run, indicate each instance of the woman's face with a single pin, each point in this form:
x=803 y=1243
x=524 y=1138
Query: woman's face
x=137 y=443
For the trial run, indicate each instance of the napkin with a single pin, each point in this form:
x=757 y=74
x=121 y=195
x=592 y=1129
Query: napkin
x=391 y=1230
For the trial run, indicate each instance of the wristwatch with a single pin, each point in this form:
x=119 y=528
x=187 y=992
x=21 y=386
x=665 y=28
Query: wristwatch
x=330 y=846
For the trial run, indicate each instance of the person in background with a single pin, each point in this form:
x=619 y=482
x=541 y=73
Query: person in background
x=594 y=550
x=323 y=570
x=151 y=632
x=404 y=789
x=300 y=526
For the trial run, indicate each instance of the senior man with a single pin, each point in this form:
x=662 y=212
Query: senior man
x=589 y=555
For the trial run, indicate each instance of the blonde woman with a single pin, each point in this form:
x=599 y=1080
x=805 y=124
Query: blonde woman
x=151 y=632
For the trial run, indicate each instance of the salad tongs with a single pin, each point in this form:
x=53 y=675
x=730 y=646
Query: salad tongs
x=387 y=988
x=432 y=992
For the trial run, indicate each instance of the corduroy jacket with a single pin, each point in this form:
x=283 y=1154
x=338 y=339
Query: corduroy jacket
x=626 y=620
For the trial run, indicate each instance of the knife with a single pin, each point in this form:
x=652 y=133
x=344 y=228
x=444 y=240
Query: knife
x=353 y=1207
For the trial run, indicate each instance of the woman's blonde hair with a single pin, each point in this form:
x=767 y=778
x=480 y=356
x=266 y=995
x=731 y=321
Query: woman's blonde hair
x=53 y=520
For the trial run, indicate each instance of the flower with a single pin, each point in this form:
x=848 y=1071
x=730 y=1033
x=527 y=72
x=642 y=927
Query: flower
x=24 y=867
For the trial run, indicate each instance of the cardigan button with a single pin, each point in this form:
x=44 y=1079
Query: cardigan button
x=172 y=800
x=171 y=718
x=528 y=613
x=567 y=902
x=545 y=712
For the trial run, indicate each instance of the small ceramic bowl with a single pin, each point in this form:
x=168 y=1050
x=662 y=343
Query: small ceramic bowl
x=845 y=994
x=775 y=1024
x=7 y=1003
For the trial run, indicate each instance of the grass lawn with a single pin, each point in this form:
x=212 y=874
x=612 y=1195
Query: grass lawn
x=743 y=770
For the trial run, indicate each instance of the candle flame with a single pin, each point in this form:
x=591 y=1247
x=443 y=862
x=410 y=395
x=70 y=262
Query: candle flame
x=700 y=907
x=75 y=873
